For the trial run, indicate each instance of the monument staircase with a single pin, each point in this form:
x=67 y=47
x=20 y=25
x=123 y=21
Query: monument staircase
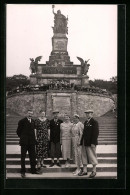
x=106 y=152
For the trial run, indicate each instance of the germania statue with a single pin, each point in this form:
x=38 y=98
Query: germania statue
x=60 y=22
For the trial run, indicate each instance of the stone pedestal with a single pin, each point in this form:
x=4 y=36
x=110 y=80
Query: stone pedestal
x=59 y=43
x=33 y=79
x=85 y=80
x=59 y=54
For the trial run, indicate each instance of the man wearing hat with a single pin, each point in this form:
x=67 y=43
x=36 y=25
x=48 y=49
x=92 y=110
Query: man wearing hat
x=55 y=138
x=89 y=142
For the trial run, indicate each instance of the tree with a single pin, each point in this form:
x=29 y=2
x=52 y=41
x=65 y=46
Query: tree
x=15 y=81
x=110 y=86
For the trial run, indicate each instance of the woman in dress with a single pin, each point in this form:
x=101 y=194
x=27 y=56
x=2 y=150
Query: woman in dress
x=42 y=125
x=65 y=138
x=76 y=135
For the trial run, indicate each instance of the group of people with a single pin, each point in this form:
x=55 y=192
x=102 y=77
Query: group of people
x=73 y=140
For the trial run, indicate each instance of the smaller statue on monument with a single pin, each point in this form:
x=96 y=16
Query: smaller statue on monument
x=84 y=65
x=33 y=64
x=60 y=22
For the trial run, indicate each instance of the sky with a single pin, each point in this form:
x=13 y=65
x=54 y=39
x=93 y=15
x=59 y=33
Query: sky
x=92 y=34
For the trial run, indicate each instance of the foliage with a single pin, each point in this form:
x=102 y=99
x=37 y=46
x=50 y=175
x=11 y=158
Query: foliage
x=15 y=81
x=110 y=86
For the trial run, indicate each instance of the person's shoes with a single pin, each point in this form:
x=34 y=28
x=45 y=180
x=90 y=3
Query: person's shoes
x=58 y=164
x=23 y=175
x=51 y=165
x=67 y=165
x=42 y=165
x=77 y=172
x=38 y=167
x=82 y=173
x=92 y=175
x=35 y=172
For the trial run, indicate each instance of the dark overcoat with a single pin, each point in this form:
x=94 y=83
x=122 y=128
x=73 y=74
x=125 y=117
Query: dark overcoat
x=90 y=133
x=25 y=132
x=55 y=130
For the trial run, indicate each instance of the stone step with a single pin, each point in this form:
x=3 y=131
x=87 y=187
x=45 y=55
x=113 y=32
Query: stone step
x=105 y=131
x=9 y=137
x=100 y=133
x=100 y=168
x=99 y=143
x=99 y=138
x=14 y=135
x=100 y=128
x=16 y=161
x=64 y=175
x=102 y=120
x=99 y=155
x=11 y=125
x=99 y=119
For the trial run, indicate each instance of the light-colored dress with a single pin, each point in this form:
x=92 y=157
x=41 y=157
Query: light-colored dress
x=65 y=137
x=76 y=133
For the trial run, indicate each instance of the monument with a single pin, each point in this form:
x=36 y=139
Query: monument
x=59 y=66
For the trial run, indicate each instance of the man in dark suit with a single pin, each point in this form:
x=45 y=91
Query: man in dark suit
x=26 y=133
x=89 y=142
x=55 y=138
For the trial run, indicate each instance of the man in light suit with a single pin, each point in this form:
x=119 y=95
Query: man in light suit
x=89 y=142
x=26 y=133
x=55 y=138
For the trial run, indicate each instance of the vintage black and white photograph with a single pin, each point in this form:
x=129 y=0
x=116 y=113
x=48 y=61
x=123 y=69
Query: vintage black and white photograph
x=61 y=91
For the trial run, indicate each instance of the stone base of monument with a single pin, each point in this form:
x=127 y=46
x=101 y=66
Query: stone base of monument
x=85 y=80
x=69 y=101
x=53 y=77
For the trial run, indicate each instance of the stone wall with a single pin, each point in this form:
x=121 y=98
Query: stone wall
x=73 y=102
x=98 y=103
x=21 y=103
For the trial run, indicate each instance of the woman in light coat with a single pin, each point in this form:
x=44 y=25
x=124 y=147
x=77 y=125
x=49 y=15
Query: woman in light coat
x=65 y=139
x=76 y=135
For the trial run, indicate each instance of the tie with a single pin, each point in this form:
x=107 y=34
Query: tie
x=29 y=120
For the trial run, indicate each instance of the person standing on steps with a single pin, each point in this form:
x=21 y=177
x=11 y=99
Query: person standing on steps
x=42 y=126
x=76 y=135
x=55 y=138
x=65 y=139
x=26 y=133
x=89 y=142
